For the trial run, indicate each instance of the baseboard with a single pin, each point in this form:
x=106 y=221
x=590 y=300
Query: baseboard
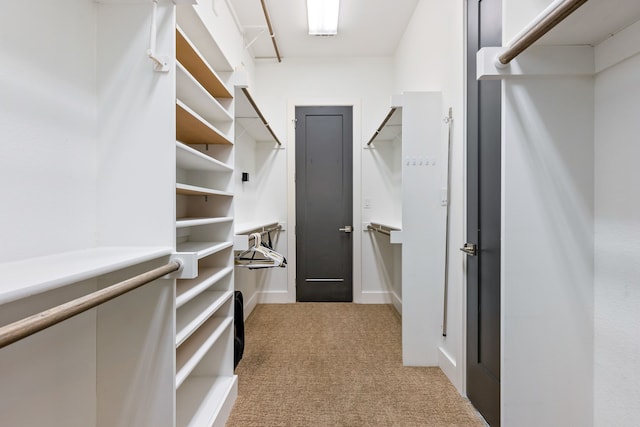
x=397 y=302
x=374 y=298
x=274 y=298
x=449 y=366
x=250 y=304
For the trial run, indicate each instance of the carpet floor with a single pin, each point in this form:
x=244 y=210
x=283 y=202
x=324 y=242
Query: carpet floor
x=338 y=364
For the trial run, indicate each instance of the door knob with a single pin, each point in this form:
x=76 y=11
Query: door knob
x=346 y=229
x=470 y=249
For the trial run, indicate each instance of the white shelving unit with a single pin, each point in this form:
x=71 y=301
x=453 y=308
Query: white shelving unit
x=206 y=386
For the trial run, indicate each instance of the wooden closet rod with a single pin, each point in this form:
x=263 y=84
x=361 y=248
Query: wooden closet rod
x=380 y=228
x=273 y=36
x=384 y=122
x=30 y=325
x=541 y=28
x=255 y=107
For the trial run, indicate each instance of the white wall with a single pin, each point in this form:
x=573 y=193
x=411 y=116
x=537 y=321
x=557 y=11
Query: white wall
x=367 y=81
x=48 y=122
x=430 y=57
x=617 y=245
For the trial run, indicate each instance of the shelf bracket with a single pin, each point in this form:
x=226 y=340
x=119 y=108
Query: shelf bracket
x=160 y=62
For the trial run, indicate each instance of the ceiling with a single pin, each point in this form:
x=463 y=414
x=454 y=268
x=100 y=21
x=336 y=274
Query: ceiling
x=365 y=28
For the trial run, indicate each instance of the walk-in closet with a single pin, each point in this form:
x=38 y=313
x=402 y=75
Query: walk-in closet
x=197 y=190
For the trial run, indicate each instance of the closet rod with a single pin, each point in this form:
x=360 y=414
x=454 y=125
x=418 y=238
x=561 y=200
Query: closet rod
x=273 y=36
x=255 y=107
x=538 y=30
x=384 y=122
x=30 y=325
x=266 y=230
x=380 y=228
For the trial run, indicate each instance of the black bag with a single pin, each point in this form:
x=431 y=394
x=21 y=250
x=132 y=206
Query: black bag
x=238 y=322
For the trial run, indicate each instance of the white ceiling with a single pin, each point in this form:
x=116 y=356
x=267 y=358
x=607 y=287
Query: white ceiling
x=365 y=28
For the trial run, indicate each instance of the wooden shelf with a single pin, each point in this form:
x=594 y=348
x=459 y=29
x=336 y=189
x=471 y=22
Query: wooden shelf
x=33 y=276
x=194 y=349
x=191 y=159
x=203 y=249
x=193 y=129
x=192 y=190
x=191 y=92
x=249 y=116
x=194 y=222
x=192 y=25
x=192 y=315
x=188 y=289
x=201 y=399
x=198 y=67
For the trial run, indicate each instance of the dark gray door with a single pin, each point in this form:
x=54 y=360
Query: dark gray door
x=483 y=215
x=324 y=193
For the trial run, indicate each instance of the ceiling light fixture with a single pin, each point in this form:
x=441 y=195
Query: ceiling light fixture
x=323 y=17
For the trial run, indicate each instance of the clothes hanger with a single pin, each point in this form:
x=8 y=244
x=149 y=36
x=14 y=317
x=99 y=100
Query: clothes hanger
x=270 y=258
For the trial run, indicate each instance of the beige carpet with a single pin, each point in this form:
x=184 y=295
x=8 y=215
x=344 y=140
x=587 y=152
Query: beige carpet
x=326 y=364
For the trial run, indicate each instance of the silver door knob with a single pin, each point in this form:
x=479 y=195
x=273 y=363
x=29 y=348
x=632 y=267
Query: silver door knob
x=470 y=249
x=346 y=229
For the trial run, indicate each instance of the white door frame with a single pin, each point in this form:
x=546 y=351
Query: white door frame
x=357 y=189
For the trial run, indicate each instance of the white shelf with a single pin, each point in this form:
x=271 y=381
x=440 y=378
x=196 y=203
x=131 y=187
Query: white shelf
x=593 y=22
x=193 y=26
x=33 y=276
x=193 y=94
x=194 y=222
x=193 y=129
x=201 y=399
x=194 y=349
x=193 y=190
x=192 y=315
x=188 y=289
x=252 y=227
x=191 y=159
x=203 y=249
x=250 y=118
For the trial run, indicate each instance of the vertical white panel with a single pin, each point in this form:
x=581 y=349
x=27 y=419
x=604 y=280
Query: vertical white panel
x=47 y=123
x=423 y=228
x=547 y=252
x=617 y=246
x=136 y=108
x=49 y=378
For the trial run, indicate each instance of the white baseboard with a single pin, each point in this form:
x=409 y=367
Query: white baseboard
x=449 y=366
x=397 y=302
x=250 y=304
x=274 y=298
x=374 y=298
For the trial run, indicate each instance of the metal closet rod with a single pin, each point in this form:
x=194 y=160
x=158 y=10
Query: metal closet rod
x=255 y=107
x=30 y=325
x=541 y=28
x=273 y=36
